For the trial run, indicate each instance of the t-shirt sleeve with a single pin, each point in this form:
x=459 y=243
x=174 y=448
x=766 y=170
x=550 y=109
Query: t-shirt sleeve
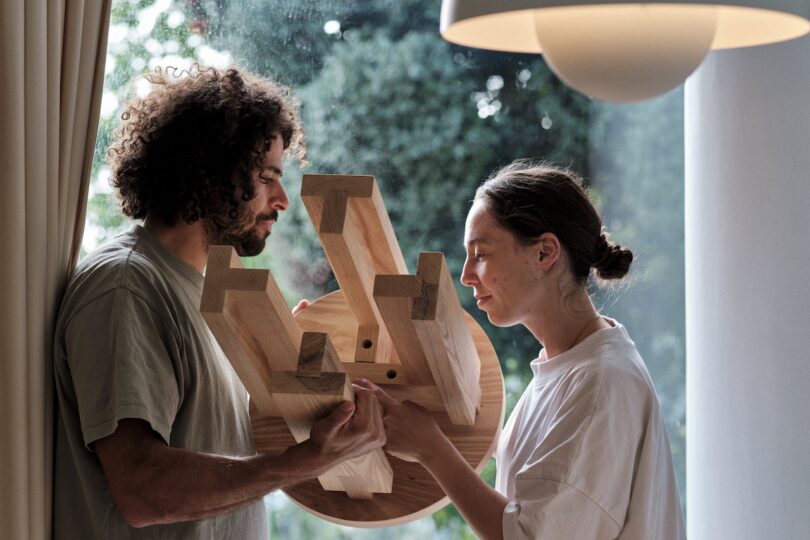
x=550 y=510
x=572 y=486
x=122 y=354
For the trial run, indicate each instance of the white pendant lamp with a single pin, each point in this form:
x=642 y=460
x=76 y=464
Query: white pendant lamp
x=622 y=52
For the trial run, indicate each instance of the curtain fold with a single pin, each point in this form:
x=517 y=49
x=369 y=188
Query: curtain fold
x=53 y=53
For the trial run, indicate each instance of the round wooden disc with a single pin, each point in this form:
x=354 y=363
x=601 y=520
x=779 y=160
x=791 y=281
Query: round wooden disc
x=415 y=493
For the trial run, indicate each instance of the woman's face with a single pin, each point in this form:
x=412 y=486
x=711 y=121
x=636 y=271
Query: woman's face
x=503 y=273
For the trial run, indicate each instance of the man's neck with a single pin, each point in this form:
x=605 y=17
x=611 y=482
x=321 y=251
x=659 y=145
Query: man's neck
x=186 y=240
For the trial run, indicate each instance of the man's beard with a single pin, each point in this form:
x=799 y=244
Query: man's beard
x=247 y=241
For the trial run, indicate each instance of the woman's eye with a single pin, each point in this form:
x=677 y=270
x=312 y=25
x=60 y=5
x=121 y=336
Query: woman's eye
x=478 y=257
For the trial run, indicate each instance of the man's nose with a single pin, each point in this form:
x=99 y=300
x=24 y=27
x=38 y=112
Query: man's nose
x=279 y=200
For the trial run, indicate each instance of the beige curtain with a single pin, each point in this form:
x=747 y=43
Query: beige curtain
x=51 y=73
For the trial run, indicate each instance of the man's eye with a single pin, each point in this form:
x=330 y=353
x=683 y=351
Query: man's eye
x=478 y=257
x=265 y=179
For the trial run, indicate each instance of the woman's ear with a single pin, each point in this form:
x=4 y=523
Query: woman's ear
x=548 y=250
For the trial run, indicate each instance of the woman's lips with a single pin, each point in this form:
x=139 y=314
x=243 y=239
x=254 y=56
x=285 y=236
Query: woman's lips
x=481 y=300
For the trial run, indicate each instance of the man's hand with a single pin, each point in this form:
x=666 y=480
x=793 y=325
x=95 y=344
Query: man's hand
x=351 y=429
x=411 y=432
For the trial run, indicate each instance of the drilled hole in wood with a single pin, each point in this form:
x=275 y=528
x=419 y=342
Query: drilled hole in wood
x=367 y=344
x=391 y=374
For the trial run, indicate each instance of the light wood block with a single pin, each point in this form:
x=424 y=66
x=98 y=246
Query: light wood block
x=446 y=340
x=356 y=233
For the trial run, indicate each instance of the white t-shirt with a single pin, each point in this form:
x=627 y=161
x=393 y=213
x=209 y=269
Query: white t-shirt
x=585 y=453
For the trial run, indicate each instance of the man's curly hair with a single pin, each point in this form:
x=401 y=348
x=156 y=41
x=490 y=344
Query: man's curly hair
x=188 y=149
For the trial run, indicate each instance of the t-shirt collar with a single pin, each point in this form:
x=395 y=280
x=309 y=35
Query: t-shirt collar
x=158 y=250
x=545 y=368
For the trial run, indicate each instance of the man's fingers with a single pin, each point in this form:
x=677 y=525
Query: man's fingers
x=362 y=399
x=386 y=400
x=338 y=417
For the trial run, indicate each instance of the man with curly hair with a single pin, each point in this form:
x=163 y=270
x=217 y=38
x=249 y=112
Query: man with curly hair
x=153 y=435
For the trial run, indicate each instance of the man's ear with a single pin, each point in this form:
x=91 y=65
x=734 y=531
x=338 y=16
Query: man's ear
x=548 y=250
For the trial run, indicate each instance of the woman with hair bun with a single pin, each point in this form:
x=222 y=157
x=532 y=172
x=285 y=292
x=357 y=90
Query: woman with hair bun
x=585 y=454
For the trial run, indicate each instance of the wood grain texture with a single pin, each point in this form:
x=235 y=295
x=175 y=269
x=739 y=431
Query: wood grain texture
x=407 y=333
x=394 y=296
x=321 y=385
x=414 y=492
x=426 y=324
x=359 y=241
x=446 y=339
x=233 y=322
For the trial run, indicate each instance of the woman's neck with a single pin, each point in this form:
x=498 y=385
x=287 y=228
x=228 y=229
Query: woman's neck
x=567 y=323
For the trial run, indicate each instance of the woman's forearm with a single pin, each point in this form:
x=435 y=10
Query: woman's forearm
x=480 y=505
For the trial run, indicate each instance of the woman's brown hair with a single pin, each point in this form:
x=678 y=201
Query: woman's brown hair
x=530 y=199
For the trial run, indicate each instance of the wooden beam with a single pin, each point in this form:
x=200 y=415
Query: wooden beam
x=394 y=298
x=446 y=339
x=349 y=214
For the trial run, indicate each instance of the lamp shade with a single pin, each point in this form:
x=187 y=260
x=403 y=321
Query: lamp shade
x=618 y=51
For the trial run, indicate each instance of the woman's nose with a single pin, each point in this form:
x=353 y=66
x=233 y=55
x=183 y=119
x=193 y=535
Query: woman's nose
x=467 y=275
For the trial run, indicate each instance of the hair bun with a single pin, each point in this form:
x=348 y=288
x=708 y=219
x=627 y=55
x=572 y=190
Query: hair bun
x=611 y=261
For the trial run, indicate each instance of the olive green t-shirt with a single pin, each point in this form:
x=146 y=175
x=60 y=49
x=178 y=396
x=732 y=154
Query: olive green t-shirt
x=130 y=343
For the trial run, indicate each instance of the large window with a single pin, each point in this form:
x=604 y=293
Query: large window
x=383 y=94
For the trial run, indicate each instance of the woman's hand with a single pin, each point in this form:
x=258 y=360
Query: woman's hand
x=301 y=306
x=413 y=435
x=411 y=432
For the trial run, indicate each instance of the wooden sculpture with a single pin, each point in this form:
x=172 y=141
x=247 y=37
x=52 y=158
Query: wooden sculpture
x=405 y=332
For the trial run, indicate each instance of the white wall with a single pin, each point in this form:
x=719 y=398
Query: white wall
x=748 y=294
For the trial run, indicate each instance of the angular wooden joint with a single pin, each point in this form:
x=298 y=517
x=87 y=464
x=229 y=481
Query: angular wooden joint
x=224 y=272
x=224 y=311
x=394 y=296
x=427 y=325
x=311 y=392
x=357 y=236
x=317 y=355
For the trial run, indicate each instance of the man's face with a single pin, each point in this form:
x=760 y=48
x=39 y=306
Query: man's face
x=248 y=236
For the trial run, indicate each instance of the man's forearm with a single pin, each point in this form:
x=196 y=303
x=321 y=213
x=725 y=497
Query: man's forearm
x=153 y=483
x=180 y=485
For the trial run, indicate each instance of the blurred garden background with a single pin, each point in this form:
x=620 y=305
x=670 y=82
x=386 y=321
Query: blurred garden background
x=383 y=94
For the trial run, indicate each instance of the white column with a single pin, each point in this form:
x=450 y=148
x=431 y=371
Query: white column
x=748 y=294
